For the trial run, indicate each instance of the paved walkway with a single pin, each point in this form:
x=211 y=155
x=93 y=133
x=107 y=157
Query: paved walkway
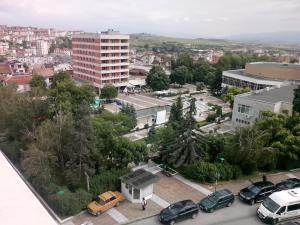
x=117 y=216
x=290 y=175
x=196 y=186
x=159 y=201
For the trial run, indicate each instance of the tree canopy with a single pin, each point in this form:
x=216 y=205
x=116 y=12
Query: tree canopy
x=109 y=92
x=157 y=79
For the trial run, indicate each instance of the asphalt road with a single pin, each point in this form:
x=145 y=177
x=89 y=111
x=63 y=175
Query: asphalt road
x=238 y=214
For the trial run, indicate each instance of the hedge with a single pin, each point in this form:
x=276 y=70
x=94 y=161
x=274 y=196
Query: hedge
x=207 y=172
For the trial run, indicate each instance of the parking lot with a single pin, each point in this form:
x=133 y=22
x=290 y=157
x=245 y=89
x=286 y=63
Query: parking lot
x=171 y=189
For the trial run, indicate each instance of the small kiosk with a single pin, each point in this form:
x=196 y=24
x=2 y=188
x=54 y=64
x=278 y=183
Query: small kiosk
x=137 y=185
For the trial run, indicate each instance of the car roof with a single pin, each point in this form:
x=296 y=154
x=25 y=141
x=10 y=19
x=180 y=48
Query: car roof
x=263 y=184
x=106 y=195
x=184 y=202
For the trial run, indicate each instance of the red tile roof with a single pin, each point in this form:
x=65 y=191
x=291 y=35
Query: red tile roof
x=5 y=68
x=19 y=80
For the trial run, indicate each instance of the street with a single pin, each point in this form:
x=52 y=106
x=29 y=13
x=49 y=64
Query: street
x=238 y=214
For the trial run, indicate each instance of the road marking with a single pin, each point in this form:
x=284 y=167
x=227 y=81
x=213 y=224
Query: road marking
x=159 y=201
x=290 y=175
x=193 y=185
x=117 y=216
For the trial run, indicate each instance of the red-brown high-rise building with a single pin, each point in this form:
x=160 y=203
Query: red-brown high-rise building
x=101 y=58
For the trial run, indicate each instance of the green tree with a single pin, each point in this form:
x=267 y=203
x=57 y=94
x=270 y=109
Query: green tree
x=180 y=75
x=296 y=101
x=38 y=81
x=59 y=77
x=109 y=92
x=182 y=60
x=232 y=92
x=216 y=83
x=131 y=112
x=157 y=79
x=176 y=112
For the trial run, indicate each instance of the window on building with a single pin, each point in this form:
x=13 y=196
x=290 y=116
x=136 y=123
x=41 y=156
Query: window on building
x=243 y=109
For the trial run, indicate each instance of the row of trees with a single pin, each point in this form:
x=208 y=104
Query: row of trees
x=185 y=70
x=53 y=138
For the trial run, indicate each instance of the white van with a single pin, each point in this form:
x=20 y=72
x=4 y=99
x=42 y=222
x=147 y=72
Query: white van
x=279 y=206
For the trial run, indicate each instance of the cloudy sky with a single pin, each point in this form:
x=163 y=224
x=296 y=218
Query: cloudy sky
x=189 y=18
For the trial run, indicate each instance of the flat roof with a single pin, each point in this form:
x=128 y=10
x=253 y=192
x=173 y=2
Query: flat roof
x=18 y=205
x=277 y=65
x=139 y=178
x=272 y=95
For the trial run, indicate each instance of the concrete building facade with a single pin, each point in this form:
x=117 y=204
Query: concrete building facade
x=248 y=107
x=261 y=75
x=42 y=47
x=101 y=58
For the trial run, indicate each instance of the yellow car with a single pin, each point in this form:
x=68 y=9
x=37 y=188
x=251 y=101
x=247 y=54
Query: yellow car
x=104 y=202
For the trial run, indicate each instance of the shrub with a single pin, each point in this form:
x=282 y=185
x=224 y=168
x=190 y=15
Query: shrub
x=67 y=203
x=211 y=117
x=207 y=172
x=106 y=181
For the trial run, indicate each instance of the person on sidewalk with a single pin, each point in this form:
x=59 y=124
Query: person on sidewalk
x=143 y=203
x=264 y=178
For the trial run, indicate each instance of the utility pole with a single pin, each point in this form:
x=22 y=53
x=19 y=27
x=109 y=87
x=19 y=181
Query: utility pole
x=87 y=181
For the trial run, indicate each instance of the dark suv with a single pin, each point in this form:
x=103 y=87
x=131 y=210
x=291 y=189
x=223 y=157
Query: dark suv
x=288 y=184
x=218 y=199
x=257 y=192
x=179 y=211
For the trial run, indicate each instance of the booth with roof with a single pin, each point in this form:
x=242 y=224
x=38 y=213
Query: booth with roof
x=137 y=185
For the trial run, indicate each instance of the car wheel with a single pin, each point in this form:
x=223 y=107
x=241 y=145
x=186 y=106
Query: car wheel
x=194 y=215
x=229 y=204
x=117 y=204
x=172 y=222
x=211 y=210
x=274 y=221
x=252 y=202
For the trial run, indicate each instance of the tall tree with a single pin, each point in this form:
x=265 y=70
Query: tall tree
x=296 y=101
x=180 y=75
x=109 y=92
x=157 y=79
x=176 y=113
x=131 y=112
x=216 y=83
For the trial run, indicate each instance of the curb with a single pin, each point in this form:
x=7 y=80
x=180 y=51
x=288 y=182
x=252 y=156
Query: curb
x=140 y=219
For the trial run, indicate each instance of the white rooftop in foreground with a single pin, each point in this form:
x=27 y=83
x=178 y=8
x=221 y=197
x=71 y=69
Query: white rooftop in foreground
x=18 y=205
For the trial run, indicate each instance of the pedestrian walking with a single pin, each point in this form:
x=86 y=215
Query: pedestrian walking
x=143 y=203
x=264 y=177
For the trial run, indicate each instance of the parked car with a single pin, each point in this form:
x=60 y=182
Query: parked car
x=257 y=192
x=218 y=199
x=179 y=211
x=288 y=184
x=104 y=202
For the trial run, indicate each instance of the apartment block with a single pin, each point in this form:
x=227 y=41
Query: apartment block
x=101 y=58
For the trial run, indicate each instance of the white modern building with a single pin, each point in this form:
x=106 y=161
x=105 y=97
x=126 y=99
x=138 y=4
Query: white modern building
x=138 y=185
x=260 y=75
x=18 y=204
x=248 y=107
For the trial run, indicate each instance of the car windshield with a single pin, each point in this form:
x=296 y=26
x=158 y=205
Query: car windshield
x=254 y=189
x=100 y=201
x=213 y=197
x=270 y=205
x=174 y=209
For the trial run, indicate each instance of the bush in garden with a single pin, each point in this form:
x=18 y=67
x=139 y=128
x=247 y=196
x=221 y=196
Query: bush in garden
x=207 y=172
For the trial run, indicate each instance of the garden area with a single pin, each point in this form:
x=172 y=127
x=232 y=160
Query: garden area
x=58 y=144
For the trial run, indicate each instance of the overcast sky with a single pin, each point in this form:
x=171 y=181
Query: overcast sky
x=190 y=18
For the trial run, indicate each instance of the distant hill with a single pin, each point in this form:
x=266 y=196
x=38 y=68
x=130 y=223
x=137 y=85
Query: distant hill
x=287 y=37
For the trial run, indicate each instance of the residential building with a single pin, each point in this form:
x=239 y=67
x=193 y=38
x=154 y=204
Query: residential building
x=42 y=47
x=248 y=107
x=101 y=58
x=260 y=75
